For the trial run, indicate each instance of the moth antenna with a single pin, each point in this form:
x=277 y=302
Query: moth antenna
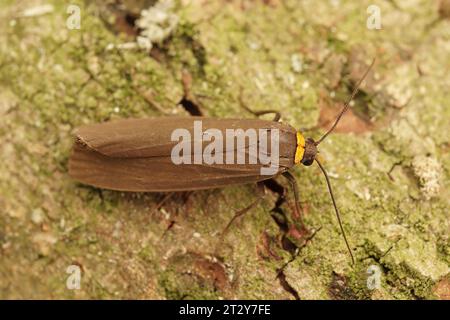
x=347 y=104
x=336 y=209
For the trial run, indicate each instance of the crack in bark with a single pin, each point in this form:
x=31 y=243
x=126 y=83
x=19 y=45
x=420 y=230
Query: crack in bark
x=281 y=220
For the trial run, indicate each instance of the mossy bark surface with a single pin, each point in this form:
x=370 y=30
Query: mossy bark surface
x=389 y=161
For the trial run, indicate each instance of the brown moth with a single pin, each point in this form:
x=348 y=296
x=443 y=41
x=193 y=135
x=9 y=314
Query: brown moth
x=137 y=154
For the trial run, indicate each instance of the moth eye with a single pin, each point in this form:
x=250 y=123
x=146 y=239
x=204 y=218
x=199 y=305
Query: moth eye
x=308 y=162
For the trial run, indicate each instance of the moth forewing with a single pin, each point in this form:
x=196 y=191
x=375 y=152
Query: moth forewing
x=144 y=154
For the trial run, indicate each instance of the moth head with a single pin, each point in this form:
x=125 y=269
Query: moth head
x=306 y=151
x=310 y=152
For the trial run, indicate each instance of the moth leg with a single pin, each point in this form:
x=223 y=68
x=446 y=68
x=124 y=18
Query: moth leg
x=240 y=213
x=189 y=101
x=276 y=118
x=161 y=202
x=273 y=185
x=298 y=205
